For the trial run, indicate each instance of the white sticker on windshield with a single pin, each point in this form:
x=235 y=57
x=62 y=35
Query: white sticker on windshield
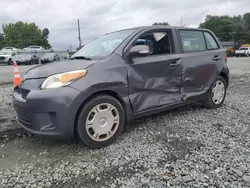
x=159 y=36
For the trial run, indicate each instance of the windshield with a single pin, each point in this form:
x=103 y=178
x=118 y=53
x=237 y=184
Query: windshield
x=33 y=47
x=48 y=55
x=104 y=45
x=25 y=56
x=15 y=57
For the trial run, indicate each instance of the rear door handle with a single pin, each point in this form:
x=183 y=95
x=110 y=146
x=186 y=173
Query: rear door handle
x=216 y=58
x=174 y=64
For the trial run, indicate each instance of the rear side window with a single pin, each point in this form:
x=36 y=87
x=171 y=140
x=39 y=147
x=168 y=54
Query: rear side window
x=192 y=41
x=211 y=43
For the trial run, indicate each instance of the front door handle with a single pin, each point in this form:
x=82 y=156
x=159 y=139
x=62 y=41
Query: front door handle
x=174 y=64
x=216 y=58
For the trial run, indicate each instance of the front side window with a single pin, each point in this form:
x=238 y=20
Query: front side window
x=192 y=41
x=158 y=42
x=211 y=43
x=104 y=45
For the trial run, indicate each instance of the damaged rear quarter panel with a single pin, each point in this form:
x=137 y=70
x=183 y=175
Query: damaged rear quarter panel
x=199 y=73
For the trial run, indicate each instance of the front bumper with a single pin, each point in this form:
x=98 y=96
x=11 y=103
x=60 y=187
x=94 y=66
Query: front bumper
x=45 y=61
x=22 y=62
x=240 y=54
x=3 y=61
x=46 y=112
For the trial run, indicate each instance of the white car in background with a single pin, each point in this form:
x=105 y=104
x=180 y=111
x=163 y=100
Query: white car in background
x=34 y=48
x=243 y=51
x=6 y=57
x=10 y=49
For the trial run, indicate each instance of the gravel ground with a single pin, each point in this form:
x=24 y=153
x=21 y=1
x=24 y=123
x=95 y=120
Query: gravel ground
x=185 y=147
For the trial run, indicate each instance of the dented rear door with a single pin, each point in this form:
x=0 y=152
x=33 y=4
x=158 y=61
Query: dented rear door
x=202 y=62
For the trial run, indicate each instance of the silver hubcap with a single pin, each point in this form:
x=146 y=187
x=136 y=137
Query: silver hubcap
x=102 y=122
x=218 y=92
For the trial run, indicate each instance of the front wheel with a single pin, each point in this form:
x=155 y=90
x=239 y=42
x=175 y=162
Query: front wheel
x=10 y=62
x=216 y=95
x=100 y=121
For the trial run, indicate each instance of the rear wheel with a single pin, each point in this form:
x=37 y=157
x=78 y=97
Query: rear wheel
x=100 y=121
x=216 y=95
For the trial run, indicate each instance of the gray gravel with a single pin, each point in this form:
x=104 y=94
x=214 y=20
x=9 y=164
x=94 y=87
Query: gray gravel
x=185 y=147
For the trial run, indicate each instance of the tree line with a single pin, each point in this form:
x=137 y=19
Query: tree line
x=227 y=28
x=21 y=35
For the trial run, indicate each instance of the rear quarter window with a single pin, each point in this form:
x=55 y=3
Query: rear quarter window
x=192 y=41
x=210 y=41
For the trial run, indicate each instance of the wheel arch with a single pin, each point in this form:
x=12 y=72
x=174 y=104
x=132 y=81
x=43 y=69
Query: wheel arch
x=104 y=92
x=225 y=76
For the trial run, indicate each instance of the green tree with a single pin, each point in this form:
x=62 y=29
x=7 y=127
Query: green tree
x=236 y=28
x=45 y=33
x=246 y=19
x=1 y=41
x=161 y=23
x=22 y=34
x=220 y=25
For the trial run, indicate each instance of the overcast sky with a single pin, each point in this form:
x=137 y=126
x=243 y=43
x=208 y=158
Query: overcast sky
x=100 y=16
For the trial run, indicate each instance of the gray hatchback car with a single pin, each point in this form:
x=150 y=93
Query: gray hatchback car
x=121 y=76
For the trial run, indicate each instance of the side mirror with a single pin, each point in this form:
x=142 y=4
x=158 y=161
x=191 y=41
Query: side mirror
x=139 y=51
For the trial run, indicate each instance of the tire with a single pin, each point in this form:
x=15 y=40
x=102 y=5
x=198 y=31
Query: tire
x=89 y=112
x=9 y=62
x=237 y=55
x=247 y=54
x=209 y=102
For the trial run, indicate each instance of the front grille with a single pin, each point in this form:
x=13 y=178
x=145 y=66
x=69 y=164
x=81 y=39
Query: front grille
x=2 y=58
x=25 y=122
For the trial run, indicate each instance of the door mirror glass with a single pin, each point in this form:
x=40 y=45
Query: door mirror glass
x=139 y=50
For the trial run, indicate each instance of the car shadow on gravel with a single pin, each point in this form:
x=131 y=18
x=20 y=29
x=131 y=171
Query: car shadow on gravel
x=19 y=133
x=131 y=125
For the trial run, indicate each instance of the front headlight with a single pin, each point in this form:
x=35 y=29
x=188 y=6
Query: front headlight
x=63 y=79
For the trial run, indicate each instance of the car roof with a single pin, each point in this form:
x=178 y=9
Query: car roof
x=160 y=27
x=33 y=46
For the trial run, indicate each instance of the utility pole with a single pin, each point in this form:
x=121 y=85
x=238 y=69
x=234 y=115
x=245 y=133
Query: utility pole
x=79 y=34
x=70 y=48
x=181 y=22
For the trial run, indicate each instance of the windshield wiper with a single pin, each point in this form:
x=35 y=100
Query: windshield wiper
x=81 y=57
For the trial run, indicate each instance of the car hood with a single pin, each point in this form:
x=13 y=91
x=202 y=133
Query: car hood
x=5 y=55
x=43 y=71
x=22 y=59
